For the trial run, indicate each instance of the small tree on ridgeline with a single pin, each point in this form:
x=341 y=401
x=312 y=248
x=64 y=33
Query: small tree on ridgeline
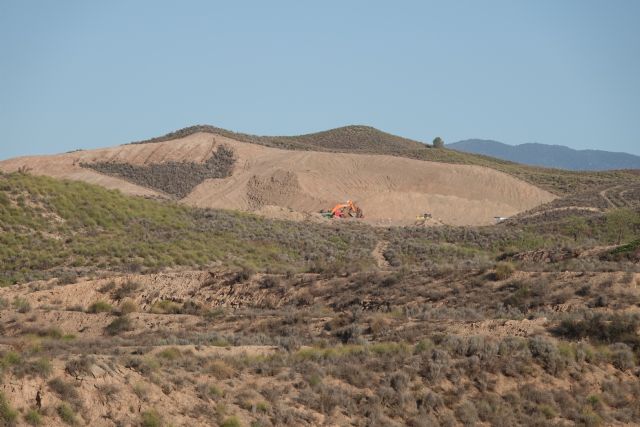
x=438 y=142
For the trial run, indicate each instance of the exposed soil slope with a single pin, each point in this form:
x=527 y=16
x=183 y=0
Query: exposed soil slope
x=390 y=190
x=369 y=140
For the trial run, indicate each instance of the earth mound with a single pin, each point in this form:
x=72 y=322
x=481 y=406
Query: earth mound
x=391 y=190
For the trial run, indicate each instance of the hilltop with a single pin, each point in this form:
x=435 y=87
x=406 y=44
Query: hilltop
x=553 y=156
x=369 y=140
x=346 y=139
x=205 y=169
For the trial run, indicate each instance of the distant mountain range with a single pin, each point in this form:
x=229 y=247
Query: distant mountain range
x=553 y=156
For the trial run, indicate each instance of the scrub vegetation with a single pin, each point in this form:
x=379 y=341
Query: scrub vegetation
x=122 y=310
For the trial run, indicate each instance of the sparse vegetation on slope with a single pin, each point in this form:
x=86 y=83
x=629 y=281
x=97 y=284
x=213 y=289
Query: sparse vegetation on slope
x=49 y=226
x=53 y=228
x=378 y=348
x=289 y=323
x=175 y=178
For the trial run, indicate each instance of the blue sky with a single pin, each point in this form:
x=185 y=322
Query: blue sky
x=85 y=74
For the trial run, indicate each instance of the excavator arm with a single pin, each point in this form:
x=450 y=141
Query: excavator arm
x=342 y=210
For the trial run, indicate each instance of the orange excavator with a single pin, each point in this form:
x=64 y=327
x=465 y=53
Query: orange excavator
x=344 y=210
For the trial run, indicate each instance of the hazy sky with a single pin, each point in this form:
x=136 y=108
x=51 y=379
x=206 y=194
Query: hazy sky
x=84 y=74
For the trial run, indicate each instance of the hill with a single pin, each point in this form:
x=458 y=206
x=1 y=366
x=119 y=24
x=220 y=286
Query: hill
x=552 y=156
x=351 y=139
x=360 y=139
x=120 y=310
x=210 y=170
x=293 y=177
x=51 y=227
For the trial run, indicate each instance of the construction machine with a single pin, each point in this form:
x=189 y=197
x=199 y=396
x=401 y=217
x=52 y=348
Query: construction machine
x=423 y=219
x=345 y=210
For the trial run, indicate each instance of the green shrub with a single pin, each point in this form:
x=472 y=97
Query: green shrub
x=605 y=328
x=215 y=391
x=21 y=305
x=66 y=392
x=171 y=353
x=68 y=278
x=107 y=287
x=622 y=357
x=99 y=306
x=125 y=290
x=119 y=325
x=42 y=367
x=141 y=390
x=220 y=369
x=33 y=417
x=166 y=307
x=466 y=413
x=543 y=350
x=422 y=346
x=53 y=332
x=67 y=414
x=504 y=270
x=128 y=306
x=10 y=358
x=79 y=366
x=231 y=422
x=151 y=418
x=8 y=415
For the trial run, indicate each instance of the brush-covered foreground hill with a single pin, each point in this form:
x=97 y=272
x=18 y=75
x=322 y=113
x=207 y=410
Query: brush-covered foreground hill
x=119 y=310
x=211 y=170
x=552 y=156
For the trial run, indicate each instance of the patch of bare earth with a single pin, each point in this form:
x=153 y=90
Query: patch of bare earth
x=390 y=190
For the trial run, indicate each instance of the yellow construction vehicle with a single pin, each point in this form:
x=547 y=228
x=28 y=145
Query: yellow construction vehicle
x=423 y=219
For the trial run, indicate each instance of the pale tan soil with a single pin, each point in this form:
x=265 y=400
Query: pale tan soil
x=390 y=190
x=603 y=193
x=99 y=410
x=566 y=208
x=378 y=255
x=502 y=328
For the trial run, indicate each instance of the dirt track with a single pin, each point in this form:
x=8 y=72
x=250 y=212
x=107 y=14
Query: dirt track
x=390 y=190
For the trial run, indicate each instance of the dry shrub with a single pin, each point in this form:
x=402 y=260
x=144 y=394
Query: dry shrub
x=119 y=325
x=128 y=306
x=220 y=369
x=504 y=270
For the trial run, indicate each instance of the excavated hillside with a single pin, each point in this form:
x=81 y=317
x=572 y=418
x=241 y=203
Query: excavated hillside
x=368 y=140
x=294 y=184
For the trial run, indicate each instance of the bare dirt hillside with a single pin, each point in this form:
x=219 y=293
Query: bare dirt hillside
x=390 y=190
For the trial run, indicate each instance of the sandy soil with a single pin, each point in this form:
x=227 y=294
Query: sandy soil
x=294 y=184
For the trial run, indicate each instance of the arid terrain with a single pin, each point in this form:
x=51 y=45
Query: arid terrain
x=189 y=280
x=391 y=190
